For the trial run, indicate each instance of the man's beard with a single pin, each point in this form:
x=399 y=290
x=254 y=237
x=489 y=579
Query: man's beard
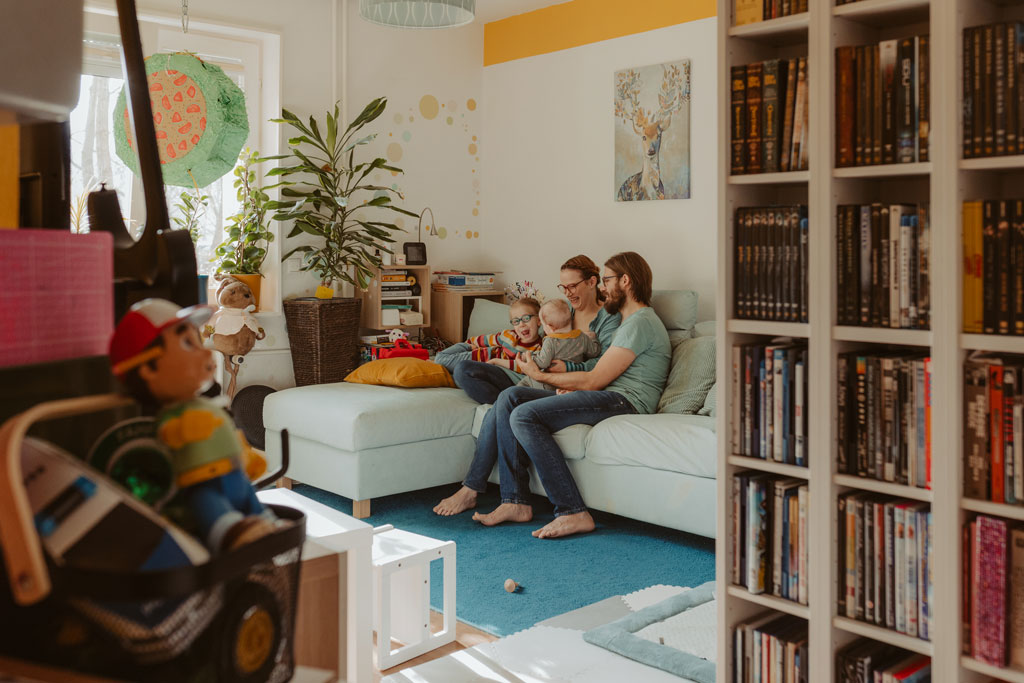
x=614 y=301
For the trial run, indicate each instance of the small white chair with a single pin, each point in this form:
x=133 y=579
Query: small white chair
x=401 y=588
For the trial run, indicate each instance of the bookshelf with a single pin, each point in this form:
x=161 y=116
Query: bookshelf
x=374 y=299
x=944 y=182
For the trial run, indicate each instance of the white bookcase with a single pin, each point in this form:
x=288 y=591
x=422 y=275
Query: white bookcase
x=943 y=182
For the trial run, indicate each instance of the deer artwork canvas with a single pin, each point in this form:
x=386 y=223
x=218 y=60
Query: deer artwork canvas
x=652 y=132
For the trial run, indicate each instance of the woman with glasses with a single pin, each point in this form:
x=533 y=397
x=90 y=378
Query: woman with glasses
x=484 y=382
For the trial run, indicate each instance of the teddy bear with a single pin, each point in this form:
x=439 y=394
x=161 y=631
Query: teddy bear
x=233 y=327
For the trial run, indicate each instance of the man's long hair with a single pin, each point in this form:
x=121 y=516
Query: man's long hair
x=640 y=277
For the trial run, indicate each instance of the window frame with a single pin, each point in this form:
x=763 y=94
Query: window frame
x=261 y=60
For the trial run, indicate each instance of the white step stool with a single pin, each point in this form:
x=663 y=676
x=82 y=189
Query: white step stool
x=401 y=588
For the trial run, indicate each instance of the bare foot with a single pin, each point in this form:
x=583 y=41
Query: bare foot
x=567 y=525
x=462 y=500
x=506 y=512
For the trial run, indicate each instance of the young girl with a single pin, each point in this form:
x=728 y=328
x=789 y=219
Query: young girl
x=503 y=348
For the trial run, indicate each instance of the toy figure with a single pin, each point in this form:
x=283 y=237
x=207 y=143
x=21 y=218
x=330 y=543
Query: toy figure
x=233 y=327
x=157 y=353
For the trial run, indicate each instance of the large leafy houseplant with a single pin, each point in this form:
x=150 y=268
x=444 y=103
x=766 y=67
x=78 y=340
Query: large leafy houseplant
x=321 y=192
x=248 y=236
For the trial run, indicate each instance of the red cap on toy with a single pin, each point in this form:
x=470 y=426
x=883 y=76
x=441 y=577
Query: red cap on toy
x=142 y=324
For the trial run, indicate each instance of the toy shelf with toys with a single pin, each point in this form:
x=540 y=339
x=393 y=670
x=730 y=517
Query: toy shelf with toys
x=394 y=298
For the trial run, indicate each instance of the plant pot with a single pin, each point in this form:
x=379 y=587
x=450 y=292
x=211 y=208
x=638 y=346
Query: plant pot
x=324 y=338
x=254 y=284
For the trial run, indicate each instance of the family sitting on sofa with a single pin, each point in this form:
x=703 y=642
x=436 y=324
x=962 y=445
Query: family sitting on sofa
x=609 y=355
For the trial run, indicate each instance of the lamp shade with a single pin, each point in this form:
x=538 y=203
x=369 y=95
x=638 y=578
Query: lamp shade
x=418 y=13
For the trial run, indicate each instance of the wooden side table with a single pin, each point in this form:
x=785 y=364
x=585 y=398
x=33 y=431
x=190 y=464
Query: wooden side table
x=450 y=310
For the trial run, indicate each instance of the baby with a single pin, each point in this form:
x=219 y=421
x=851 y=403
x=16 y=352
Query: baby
x=504 y=347
x=561 y=342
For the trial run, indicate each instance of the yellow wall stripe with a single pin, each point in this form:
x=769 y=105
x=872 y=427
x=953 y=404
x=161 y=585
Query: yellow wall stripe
x=581 y=22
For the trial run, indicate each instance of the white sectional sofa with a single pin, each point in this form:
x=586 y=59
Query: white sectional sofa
x=363 y=441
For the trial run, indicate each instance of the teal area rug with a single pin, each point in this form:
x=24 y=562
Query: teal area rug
x=621 y=556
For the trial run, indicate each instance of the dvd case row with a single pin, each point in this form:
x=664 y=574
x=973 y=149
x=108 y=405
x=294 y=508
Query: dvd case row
x=885 y=562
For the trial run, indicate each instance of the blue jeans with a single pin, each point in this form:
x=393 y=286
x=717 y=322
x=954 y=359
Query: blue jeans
x=496 y=435
x=481 y=381
x=221 y=502
x=531 y=417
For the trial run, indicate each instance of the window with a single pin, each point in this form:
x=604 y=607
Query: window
x=93 y=149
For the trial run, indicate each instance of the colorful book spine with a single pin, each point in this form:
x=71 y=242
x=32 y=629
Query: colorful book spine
x=991 y=597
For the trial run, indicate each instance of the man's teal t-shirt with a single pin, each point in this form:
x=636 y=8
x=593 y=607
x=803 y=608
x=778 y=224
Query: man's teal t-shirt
x=643 y=381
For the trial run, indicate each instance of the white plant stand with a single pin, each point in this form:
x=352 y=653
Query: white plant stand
x=401 y=588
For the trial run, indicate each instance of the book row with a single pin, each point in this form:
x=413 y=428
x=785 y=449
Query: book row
x=769 y=116
x=993 y=279
x=753 y=11
x=885 y=562
x=883 y=256
x=770 y=273
x=869 y=661
x=993 y=101
x=882 y=102
x=883 y=421
x=993 y=592
x=770 y=535
x=769 y=402
x=993 y=425
x=769 y=648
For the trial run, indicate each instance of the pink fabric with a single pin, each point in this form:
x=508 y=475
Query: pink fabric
x=56 y=295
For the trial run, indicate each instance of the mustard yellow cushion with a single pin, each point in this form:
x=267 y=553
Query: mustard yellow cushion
x=401 y=372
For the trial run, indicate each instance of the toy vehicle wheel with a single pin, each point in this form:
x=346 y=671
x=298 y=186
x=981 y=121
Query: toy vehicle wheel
x=252 y=636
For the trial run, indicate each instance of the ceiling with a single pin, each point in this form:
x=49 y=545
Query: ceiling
x=492 y=10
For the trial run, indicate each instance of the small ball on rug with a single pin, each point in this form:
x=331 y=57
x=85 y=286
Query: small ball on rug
x=511 y=586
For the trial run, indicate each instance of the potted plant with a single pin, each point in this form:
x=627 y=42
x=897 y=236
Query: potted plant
x=248 y=236
x=191 y=207
x=328 y=194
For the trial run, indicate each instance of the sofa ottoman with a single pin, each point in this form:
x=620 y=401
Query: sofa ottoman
x=363 y=441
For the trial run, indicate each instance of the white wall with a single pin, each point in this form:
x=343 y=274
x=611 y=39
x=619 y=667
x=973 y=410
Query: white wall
x=428 y=67
x=548 y=157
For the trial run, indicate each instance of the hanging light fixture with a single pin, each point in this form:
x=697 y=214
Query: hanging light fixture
x=418 y=13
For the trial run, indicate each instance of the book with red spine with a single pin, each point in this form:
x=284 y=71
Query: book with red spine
x=995 y=402
x=975 y=586
x=990 y=544
x=1016 y=599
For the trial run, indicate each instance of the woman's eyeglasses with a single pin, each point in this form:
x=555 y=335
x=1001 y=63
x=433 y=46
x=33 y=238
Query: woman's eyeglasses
x=522 y=319
x=569 y=289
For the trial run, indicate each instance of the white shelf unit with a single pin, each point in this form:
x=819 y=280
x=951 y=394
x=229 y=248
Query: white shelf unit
x=777 y=604
x=780 y=38
x=999 y=177
x=944 y=181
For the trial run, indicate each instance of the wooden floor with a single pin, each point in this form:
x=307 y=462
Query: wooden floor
x=465 y=636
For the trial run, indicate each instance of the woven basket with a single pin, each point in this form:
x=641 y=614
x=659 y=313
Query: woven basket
x=324 y=338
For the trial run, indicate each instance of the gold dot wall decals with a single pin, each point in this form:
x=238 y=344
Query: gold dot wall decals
x=431 y=143
x=428 y=106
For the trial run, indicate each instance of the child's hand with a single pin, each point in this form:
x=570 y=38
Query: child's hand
x=557 y=365
x=501 y=362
